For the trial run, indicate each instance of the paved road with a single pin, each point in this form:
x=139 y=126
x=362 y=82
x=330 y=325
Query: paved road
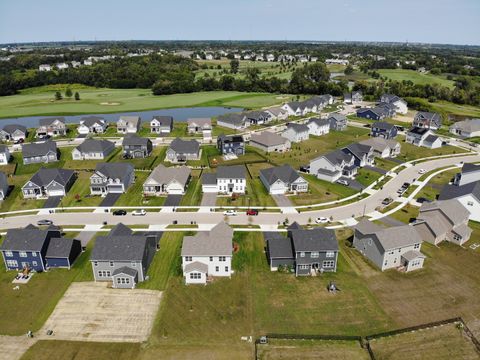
x=355 y=209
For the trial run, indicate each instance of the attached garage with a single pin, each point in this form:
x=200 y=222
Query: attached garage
x=62 y=252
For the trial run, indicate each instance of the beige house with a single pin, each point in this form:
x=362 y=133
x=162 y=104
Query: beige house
x=270 y=142
x=383 y=148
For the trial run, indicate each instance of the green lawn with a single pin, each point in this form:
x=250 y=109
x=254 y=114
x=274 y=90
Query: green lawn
x=406 y=213
x=88 y=164
x=416 y=77
x=134 y=194
x=21 y=169
x=15 y=200
x=193 y=195
x=412 y=152
x=156 y=157
x=366 y=176
x=81 y=187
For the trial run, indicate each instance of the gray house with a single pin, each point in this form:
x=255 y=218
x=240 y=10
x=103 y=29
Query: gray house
x=35 y=153
x=283 y=179
x=48 y=182
x=233 y=121
x=167 y=180
x=122 y=257
x=111 y=178
x=128 y=124
x=54 y=126
x=338 y=122
x=183 y=150
x=270 y=142
x=135 y=147
x=279 y=250
x=296 y=132
x=427 y=120
x=92 y=149
x=3 y=186
x=231 y=144
x=161 y=124
x=13 y=132
x=332 y=166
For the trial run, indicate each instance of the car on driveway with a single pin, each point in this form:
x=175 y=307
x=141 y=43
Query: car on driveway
x=230 y=213
x=252 y=212
x=321 y=220
x=119 y=212
x=139 y=212
x=44 y=222
x=342 y=182
x=387 y=201
x=422 y=171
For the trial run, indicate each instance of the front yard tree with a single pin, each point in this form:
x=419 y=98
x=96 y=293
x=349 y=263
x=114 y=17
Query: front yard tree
x=58 y=95
x=77 y=96
x=234 y=65
x=68 y=93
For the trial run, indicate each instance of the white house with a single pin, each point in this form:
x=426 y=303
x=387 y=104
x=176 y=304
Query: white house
x=207 y=255
x=283 y=179
x=44 y=67
x=128 y=124
x=227 y=180
x=383 y=148
x=401 y=105
x=318 y=127
x=466 y=128
x=423 y=137
x=3 y=186
x=296 y=132
x=167 y=180
x=334 y=165
x=4 y=155
x=92 y=125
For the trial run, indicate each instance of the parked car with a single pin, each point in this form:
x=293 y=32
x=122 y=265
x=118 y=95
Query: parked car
x=387 y=201
x=230 y=213
x=422 y=171
x=342 y=182
x=305 y=169
x=252 y=212
x=44 y=222
x=139 y=212
x=119 y=212
x=19 y=141
x=422 y=200
x=321 y=220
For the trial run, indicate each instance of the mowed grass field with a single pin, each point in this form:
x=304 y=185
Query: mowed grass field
x=40 y=101
x=416 y=77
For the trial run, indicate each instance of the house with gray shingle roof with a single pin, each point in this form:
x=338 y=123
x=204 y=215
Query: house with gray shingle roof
x=277 y=113
x=466 y=128
x=396 y=247
x=468 y=195
x=136 y=147
x=279 y=250
x=427 y=120
x=334 y=165
x=35 y=153
x=111 y=178
x=48 y=182
x=233 y=121
x=199 y=126
x=92 y=149
x=270 y=142
x=92 y=125
x=13 y=132
x=258 y=117
x=383 y=148
x=161 y=124
x=226 y=180
x=418 y=137
x=362 y=153
x=3 y=186
x=318 y=127
x=338 y=122
x=53 y=126
x=445 y=220
x=122 y=257
x=128 y=124
x=283 y=179
x=296 y=132
x=207 y=254
x=181 y=151
x=167 y=180
x=62 y=252
x=4 y=155
x=401 y=106
x=470 y=173
x=384 y=130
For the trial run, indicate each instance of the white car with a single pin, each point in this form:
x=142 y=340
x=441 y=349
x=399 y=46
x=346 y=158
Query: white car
x=230 y=213
x=342 y=182
x=422 y=171
x=140 y=212
x=321 y=220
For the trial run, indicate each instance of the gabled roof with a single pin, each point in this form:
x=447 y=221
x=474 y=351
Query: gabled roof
x=452 y=209
x=50 y=120
x=380 y=144
x=336 y=157
x=276 y=110
x=130 y=120
x=196 y=266
x=3 y=181
x=284 y=173
x=93 y=145
x=391 y=98
x=185 y=146
x=119 y=248
x=431 y=116
x=431 y=138
x=418 y=131
x=318 y=122
x=279 y=246
x=125 y=270
x=268 y=138
x=469 y=167
x=467 y=125
x=256 y=114
x=45 y=176
x=216 y=242
x=358 y=149
x=231 y=172
x=11 y=128
x=231 y=138
x=115 y=170
x=92 y=120
x=164 y=120
x=318 y=239
x=60 y=247
x=298 y=128
x=382 y=125
x=134 y=139
x=28 y=239
x=209 y=179
x=38 y=149
x=164 y=175
x=199 y=121
x=232 y=118
x=337 y=117
x=120 y=230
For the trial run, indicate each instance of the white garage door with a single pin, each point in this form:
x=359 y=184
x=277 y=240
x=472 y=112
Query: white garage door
x=55 y=193
x=209 y=188
x=277 y=191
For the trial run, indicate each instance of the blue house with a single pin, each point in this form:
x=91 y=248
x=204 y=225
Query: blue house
x=377 y=113
x=62 y=252
x=233 y=144
x=384 y=130
x=26 y=248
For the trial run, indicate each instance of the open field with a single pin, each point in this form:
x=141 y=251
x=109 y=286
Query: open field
x=412 y=152
x=442 y=342
x=415 y=77
x=40 y=101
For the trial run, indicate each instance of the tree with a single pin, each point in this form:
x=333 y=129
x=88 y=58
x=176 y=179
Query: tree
x=348 y=70
x=58 y=96
x=234 y=65
x=68 y=93
x=252 y=74
x=77 y=96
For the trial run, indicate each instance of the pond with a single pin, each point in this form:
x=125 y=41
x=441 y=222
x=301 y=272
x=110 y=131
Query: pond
x=178 y=114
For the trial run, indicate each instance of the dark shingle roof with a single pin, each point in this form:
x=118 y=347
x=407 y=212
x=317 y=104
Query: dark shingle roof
x=431 y=138
x=118 y=248
x=92 y=145
x=12 y=127
x=383 y=125
x=358 y=150
x=231 y=172
x=279 y=247
x=284 y=173
x=48 y=121
x=337 y=156
x=125 y=270
x=337 y=117
x=185 y=146
x=418 y=131
x=298 y=128
x=60 y=247
x=209 y=178
x=319 y=239
x=38 y=149
x=164 y=120
x=134 y=139
x=319 y=122
x=45 y=176
x=115 y=170
x=120 y=230
x=91 y=120
x=232 y=118
x=453 y=191
x=469 y=167
x=28 y=239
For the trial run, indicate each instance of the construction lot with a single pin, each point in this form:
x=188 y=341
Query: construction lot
x=93 y=312
x=13 y=347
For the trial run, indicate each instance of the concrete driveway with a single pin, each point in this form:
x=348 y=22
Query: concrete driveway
x=209 y=199
x=376 y=169
x=354 y=184
x=91 y=311
x=282 y=201
x=173 y=200
x=110 y=200
x=85 y=237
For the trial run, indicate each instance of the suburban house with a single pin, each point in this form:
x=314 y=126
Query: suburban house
x=135 y=147
x=28 y=248
x=383 y=148
x=270 y=142
x=227 y=180
x=278 y=113
x=3 y=186
x=13 y=132
x=427 y=120
x=423 y=137
x=309 y=251
x=54 y=126
x=111 y=178
x=167 y=180
x=296 y=132
x=231 y=144
x=338 y=122
x=200 y=126
x=283 y=179
x=181 y=151
x=384 y=130
x=35 y=153
x=354 y=97
x=443 y=220
x=91 y=149
x=400 y=104
x=128 y=124
x=258 y=117
x=470 y=173
x=322 y=100
x=122 y=257
x=363 y=154
x=233 y=121
x=161 y=125
x=466 y=128
x=48 y=182
x=296 y=108
x=389 y=109
x=4 y=155
x=92 y=125
x=333 y=166
x=377 y=113
x=207 y=255
x=318 y=127
x=395 y=247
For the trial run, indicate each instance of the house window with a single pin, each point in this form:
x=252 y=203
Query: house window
x=391 y=253
x=8 y=253
x=457 y=237
x=34 y=253
x=188 y=258
x=108 y=273
x=127 y=281
x=314 y=254
x=12 y=263
x=470 y=203
x=34 y=263
x=22 y=254
x=95 y=263
x=111 y=263
x=330 y=254
x=195 y=276
x=328 y=264
x=304 y=267
x=119 y=280
x=226 y=268
x=369 y=242
x=217 y=268
x=221 y=258
x=302 y=254
x=416 y=246
x=211 y=258
x=133 y=264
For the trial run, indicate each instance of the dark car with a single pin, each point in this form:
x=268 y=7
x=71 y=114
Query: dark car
x=422 y=200
x=387 y=201
x=44 y=222
x=19 y=141
x=119 y=213
x=252 y=212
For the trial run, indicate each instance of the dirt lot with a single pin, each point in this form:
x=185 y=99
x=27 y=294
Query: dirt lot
x=92 y=312
x=13 y=347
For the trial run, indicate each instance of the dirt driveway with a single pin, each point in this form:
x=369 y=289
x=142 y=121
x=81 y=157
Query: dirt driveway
x=92 y=312
x=13 y=347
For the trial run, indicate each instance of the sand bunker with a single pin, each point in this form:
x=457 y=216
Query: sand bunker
x=109 y=103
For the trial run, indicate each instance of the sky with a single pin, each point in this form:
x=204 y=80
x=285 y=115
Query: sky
x=427 y=21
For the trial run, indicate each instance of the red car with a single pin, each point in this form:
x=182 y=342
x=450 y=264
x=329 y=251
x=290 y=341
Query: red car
x=252 y=212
